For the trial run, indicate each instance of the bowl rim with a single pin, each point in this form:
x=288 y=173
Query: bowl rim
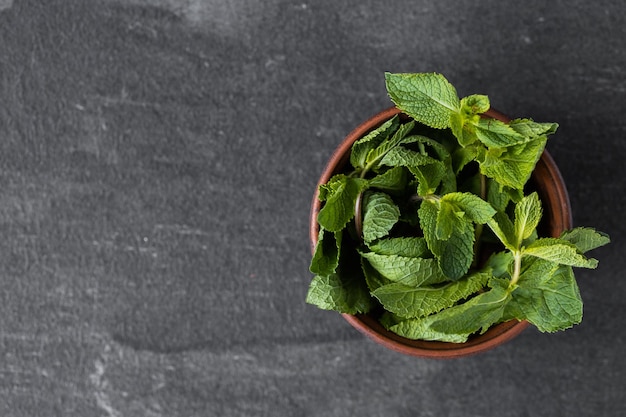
x=557 y=211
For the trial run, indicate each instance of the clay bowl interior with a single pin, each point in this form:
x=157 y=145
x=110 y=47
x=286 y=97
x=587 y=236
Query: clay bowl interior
x=546 y=180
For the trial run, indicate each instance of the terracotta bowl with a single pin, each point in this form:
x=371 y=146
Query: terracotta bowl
x=546 y=180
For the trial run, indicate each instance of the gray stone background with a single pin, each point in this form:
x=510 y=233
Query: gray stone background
x=157 y=162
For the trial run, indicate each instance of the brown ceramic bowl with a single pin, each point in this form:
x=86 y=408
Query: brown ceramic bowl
x=546 y=180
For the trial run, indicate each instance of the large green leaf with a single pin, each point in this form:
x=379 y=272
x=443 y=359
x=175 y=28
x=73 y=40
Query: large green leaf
x=411 y=302
x=428 y=98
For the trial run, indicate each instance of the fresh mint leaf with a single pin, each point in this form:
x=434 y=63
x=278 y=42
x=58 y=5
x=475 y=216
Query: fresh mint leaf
x=340 y=198
x=429 y=177
x=455 y=324
x=503 y=228
x=449 y=219
x=547 y=296
x=530 y=129
x=380 y=214
x=500 y=264
x=586 y=238
x=340 y=292
x=420 y=329
x=455 y=254
x=475 y=315
x=409 y=247
x=327 y=250
x=476 y=209
x=373 y=278
x=428 y=98
x=527 y=216
x=559 y=251
x=409 y=271
x=401 y=156
x=497 y=195
x=463 y=156
x=393 y=180
x=496 y=134
x=361 y=148
x=513 y=165
x=376 y=154
x=475 y=104
x=412 y=302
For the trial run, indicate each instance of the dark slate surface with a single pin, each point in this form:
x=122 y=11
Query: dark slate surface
x=157 y=161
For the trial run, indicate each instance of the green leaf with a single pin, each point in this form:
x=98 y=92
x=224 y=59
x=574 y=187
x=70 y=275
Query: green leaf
x=512 y=166
x=373 y=278
x=547 y=296
x=497 y=195
x=477 y=314
x=429 y=177
x=413 y=302
x=409 y=271
x=401 y=156
x=496 y=134
x=457 y=323
x=380 y=214
x=338 y=208
x=345 y=294
x=375 y=155
x=449 y=219
x=428 y=98
x=527 y=216
x=500 y=264
x=463 y=156
x=363 y=146
x=586 y=238
x=327 y=250
x=503 y=228
x=475 y=104
x=531 y=129
x=393 y=180
x=410 y=247
x=455 y=254
x=476 y=209
x=560 y=252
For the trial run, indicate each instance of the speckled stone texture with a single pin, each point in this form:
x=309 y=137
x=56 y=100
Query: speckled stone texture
x=157 y=162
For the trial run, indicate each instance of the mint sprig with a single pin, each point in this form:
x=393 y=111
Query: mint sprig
x=405 y=230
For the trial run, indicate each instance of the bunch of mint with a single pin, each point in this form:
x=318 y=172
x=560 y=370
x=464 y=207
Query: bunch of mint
x=403 y=233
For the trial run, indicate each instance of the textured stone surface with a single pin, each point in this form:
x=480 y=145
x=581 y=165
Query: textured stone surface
x=157 y=160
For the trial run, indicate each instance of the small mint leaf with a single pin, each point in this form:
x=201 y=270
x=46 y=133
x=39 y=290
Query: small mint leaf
x=401 y=156
x=409 y=247
x=475 y=104
x=380 y=214
x=530 y=129
x=428 y=98
x=376 y=154
x=512 y=166
x=338 y=208
x=527 y=216
x=327 y=250
x=363 y=146
x=586 y=238
x=496 y=134
x=502 y=226
x=393 y=180
x=476 y=209
x=559 y=251
x=455 y=254
x=345 y=294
